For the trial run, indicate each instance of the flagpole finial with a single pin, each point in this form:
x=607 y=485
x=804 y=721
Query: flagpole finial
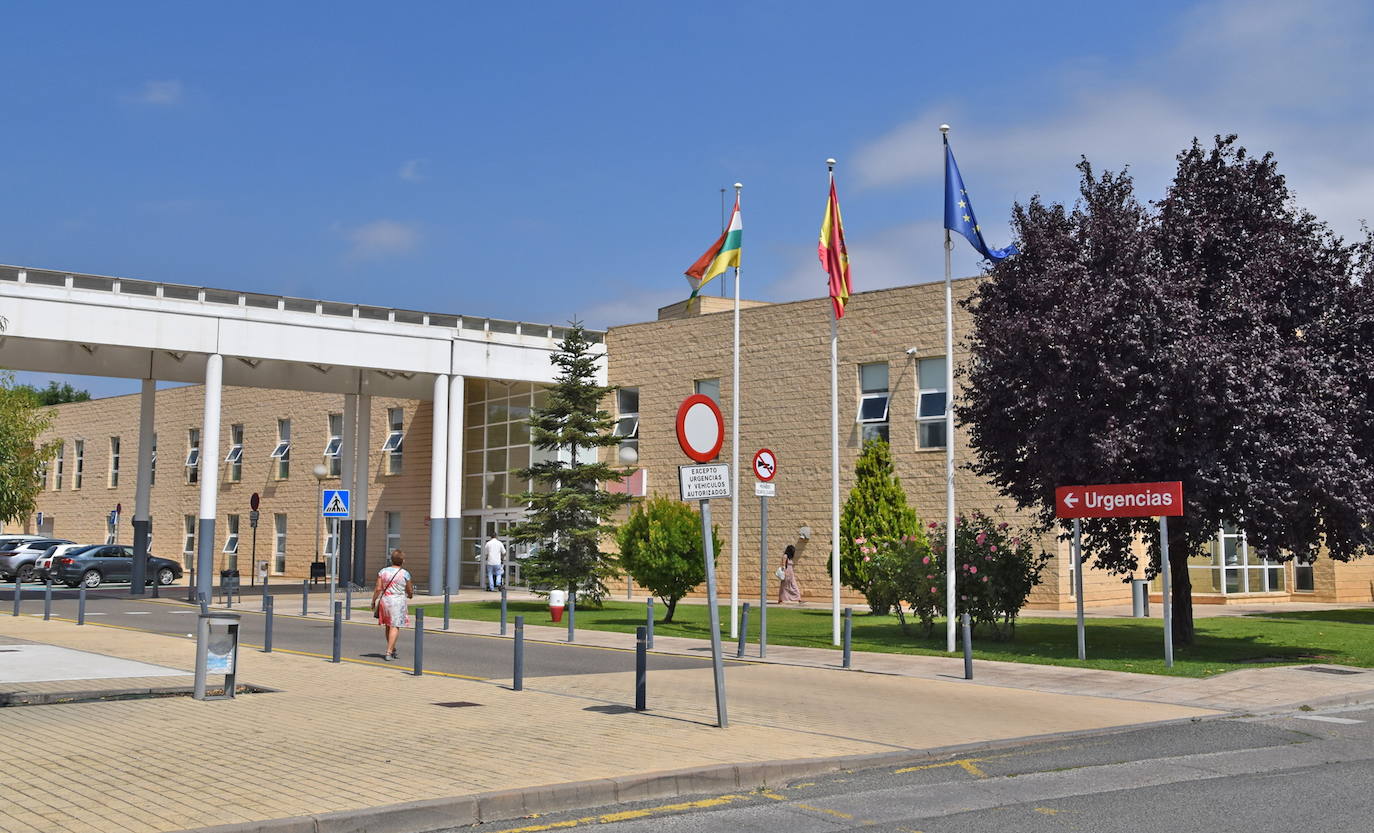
x=944 y=128
x=739 y=185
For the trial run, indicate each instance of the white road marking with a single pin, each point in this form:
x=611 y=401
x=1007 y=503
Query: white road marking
x=1326 y=719
x=137 y=612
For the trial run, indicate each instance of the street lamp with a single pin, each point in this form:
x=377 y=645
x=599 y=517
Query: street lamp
x=320 y=471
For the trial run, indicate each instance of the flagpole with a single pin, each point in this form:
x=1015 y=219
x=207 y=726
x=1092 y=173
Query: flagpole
x=950 y=565
x=834 y=458
x=734 y=463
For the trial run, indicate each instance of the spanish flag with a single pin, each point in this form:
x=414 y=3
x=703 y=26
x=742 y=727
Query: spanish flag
x=723 y=254
x=834 y=256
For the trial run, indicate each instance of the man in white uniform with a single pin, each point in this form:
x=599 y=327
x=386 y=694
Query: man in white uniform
x=494 y=556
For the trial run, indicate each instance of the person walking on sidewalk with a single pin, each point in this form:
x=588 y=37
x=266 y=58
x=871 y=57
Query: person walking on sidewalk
x=394 y=587
x=494 y=554
x=788 y=589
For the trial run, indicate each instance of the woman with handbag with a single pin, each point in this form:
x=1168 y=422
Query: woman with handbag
x=389 y=607
x=788 y=589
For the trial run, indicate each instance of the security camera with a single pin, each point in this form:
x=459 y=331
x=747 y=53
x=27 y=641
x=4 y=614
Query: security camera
x=911 y=351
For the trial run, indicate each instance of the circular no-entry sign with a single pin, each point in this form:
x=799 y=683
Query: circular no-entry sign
x=700 y=427
x=765 y=464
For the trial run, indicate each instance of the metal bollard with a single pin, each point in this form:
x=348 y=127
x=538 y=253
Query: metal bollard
x=446 y=613
x=419 y=642
x=305 y=598
x=265 y=596
x=743 y=628
x=47 y=599
x=650 y=624
x=848 y=634
x=81 y=605
x=191 y=587
x=157 y=594
x=348 y=600
x=968 y=647
x=267 y=636
x=641 y=668
x=518 y=677
x=18 y=593
x=229 y=596
x=572 y=615
x=338 y=631
x=503 y=605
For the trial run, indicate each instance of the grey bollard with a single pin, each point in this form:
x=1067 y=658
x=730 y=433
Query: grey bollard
x=419 y=642
x=338 y=632
x=848 y=635
x=81 y=605
x=157 y=593
x=265 y=596
x=968 y=647
x=641 y=668
x=1140 y=598
x=348 y=600
x=649 y=606
x=446 y=612
x=18 y=593
x=267 y=635
x=518 y=677
x=191 y=586
x=47 y=599
x=572 y=615
x=503 y=605
x=743 y=628
x=305 y=598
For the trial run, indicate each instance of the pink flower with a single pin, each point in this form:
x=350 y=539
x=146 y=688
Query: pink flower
x=861 y=540
x=867 y=559
x=987 y=558
x=1004 y=526
x=932 y=590
x=925 y=559
x=981 y=537
x=985 y=578
x=933 y=524
x=965 y=598
x=930 y=575
x=993 y=548
x=973 y=570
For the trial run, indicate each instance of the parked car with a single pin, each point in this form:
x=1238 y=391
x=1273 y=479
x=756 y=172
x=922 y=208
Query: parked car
x=96 y=565
x=17 y=559
x=42 y=568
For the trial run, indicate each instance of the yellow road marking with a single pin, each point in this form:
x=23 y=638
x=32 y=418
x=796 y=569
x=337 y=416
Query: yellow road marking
x=772 y=795
x=969 y=765
x=1047 y=811
x=626 y=815
x=836 y=813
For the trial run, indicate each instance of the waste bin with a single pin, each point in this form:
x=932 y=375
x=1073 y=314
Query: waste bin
x=557 y=600
x=1140 y=598
x=217 y=652
x=319 y=571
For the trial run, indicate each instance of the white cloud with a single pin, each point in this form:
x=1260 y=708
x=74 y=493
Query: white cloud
x=413 y=170
x=382 y=238
x=158 y=93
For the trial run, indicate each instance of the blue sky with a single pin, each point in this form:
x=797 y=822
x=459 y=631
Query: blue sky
x=545 y=161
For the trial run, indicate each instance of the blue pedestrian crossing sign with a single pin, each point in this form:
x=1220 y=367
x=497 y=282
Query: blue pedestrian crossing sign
x=334 y=503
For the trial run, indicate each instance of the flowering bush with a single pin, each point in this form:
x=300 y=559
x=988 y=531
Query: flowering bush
x=996 y=569
x=875 y=519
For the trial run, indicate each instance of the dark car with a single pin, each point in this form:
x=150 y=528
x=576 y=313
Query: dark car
x=17 y=558
x=97 y=565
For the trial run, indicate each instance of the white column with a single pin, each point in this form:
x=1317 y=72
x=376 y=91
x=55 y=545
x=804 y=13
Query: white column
x=143 y=487
x=358 y=504
x=438 y=470
x=453 y=498
x=209 y=475
x=343 y=545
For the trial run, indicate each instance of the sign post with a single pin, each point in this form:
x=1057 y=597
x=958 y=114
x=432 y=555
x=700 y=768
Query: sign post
x=700 y=433
x=1123 y=500
x=333 y=504
x=253 y=503
x=765 y=468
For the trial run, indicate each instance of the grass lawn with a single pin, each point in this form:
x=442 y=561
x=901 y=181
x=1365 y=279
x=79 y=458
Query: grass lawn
x=1226 y=643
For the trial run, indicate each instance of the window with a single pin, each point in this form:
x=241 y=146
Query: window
x=395 y=418
x=1303 y=579
x=235 y=456
x=43 y=474
x=931 y=402
x=282 y=452
x=231 y=541
x=188 y=547
x=1230 y=566
x=61 y=465
x=331 y=537
x=707 y=387
x=110 y=529
x=152 y=466
x=627 y=425
x=279 y=552
x=393 y=531
x=873 y=401
x=192 y=455
x=334 y=444
x=80 y=448
x=114 y=462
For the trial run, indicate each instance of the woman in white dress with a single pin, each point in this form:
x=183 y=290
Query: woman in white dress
x=394 y=588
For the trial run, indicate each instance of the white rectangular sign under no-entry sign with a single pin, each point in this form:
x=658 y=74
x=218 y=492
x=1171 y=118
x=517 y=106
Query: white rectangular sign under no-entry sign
x=704 y=482
x=766 y=489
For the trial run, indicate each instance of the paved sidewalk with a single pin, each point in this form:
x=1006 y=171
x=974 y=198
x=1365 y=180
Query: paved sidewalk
x=354 y=736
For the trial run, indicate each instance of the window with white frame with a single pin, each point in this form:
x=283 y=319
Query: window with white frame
x=395 y=436
x=873 y=401
x=114 y=462
x=192 y=455
x=231 y=540
x=393 y=532
x=61 y=466
x=708 y=387
x=188 y=545
x=627 y=425
x=931 y=401
x=333 y=445
x=235 y=456
x=79 y=446
x=43 y=474
x=279 y=550
x=282 y=451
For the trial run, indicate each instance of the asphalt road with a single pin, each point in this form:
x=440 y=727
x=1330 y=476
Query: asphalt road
x=482 y=657
x=1297 y=772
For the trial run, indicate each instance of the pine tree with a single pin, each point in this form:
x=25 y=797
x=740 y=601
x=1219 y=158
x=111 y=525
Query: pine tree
x=568 y=511
x=874 y=517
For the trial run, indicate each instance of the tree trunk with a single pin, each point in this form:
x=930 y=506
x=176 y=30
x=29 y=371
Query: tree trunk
x=1182 y=595
x=668 y=616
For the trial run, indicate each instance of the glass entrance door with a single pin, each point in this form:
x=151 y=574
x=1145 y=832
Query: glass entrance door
x=476 y=530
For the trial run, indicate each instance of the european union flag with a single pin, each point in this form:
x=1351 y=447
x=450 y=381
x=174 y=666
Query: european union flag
x=959 y=216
